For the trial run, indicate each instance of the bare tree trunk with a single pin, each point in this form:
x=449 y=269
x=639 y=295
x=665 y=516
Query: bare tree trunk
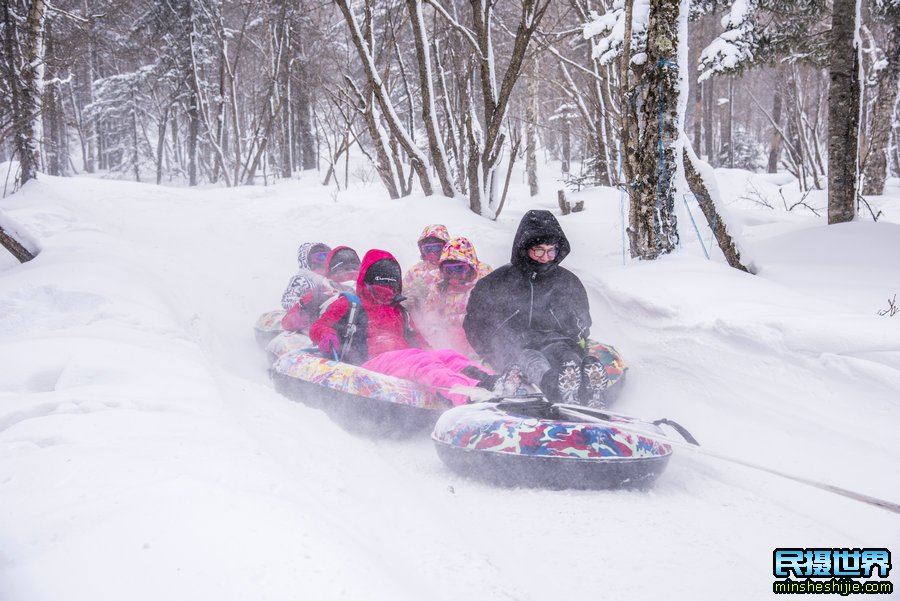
x=285 y=105
x=700 y=189
x=389 y=164
x=25 y=74
x=278 y=40
x=531 y=116
x=653 y=227
x=696 y=91
x=495 y=95
x=177 y=156
x=843 y=113
x=726 y=152
x=731 y=122
x=90 y=131
x=193 y=133
x=429 y=112
x=709 y=92
x=304 y=122
x=453 y=125
x=33 y=71
x=516 y=144
x=875 y=157
x=383 y=165
x=221 y=131
x=895 y=155
x=135 y=152
x=161 y=143
x=8 y=242
x=418 y=160
x=53 y=118
x=630 y=133
x=775 y=139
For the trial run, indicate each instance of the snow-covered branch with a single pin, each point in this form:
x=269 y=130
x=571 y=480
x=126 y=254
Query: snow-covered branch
x=608 y=29
x=732 y=48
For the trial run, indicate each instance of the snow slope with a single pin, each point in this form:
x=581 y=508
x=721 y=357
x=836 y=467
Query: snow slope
x=145 y=455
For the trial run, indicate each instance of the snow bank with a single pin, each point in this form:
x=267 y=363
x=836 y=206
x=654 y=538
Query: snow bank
x=145 y=455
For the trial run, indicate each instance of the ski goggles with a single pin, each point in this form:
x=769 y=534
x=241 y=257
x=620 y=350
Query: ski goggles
x=318 y=258
x=432 y=248
x=457 y=271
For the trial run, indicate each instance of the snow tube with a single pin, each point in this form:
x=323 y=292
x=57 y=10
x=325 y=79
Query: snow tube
x=360 y=400
x=287 y=342
x=533 y=443
x=267 y=327
x=613 y=365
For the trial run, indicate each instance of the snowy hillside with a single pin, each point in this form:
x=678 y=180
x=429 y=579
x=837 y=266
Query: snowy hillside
x=144 y=454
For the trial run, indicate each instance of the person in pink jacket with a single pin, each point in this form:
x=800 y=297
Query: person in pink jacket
x=311 y=296
x=422 y=277
x=445 y=306
x=383 y=338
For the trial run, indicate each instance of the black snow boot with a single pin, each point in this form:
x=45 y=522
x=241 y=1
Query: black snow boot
x=511 y=382
x=594 y=382
x=562 y=385
x=569 y=382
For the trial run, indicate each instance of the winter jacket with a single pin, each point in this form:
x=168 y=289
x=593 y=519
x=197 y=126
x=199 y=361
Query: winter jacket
x=308 y=293
x=306 y=279
x=442 y=315
x=378 y=328
x=423 y=276
x=525 y=304
x=306 y=310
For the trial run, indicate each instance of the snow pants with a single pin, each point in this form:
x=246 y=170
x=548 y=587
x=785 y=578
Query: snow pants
x=435 y=369
x=548 y=354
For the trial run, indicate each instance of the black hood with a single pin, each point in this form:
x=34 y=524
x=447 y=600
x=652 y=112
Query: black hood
x=538 y=227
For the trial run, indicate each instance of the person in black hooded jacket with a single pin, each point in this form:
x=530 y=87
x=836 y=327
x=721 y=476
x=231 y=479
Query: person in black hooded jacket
x=532 y=316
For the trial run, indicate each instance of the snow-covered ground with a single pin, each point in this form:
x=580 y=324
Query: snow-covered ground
x=144 y=454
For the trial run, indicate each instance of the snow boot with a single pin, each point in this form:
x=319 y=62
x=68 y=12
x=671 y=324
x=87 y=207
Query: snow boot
x=594 y=383
x=568 y=381
x=511 y=382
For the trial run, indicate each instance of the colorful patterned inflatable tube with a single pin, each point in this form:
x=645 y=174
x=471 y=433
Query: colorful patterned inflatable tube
x=267 y=327
x=287 y=342
x=362 y=401
x=532 y=443
x=614 y=367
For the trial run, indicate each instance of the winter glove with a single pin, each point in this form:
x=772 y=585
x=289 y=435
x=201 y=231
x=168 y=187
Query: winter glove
x=329 y=344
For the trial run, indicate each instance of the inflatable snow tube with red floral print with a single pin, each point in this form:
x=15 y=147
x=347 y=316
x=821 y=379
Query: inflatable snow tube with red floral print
x=530 y=442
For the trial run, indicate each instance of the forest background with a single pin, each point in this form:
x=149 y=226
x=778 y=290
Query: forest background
x=446 y=96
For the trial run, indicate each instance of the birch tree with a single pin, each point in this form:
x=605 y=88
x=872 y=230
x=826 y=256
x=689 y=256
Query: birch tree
x=485 y=128
x=649 y=39
x=381 y=96
x=24 y=74
x=843 y=112
x=874 y=149
x=650 y=101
